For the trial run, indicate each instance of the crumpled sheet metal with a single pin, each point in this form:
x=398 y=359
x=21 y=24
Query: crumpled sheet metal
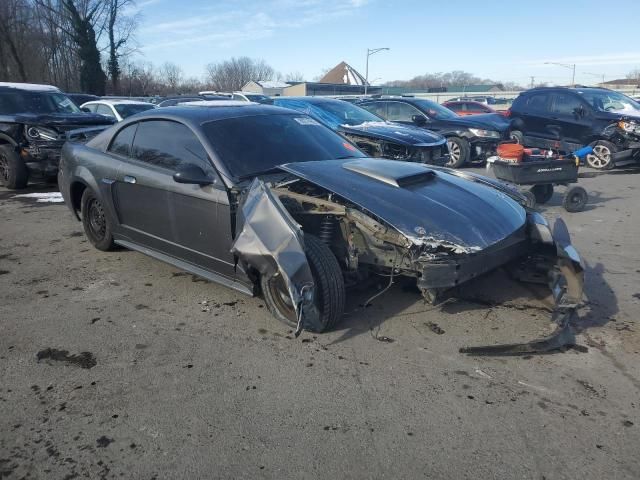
x=269 y=240
x=566 y=284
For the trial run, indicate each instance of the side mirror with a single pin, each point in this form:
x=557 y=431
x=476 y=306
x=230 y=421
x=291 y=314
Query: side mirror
x=192 y=174
x=86 y=109
x=419 y=120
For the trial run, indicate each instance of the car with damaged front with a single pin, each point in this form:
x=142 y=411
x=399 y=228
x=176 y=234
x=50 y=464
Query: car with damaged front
x=372 y=134
x=266 y=199
x=469 y=139
x=35 y=121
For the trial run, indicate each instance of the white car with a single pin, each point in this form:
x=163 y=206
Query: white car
x=252 y=97
x=118 y=109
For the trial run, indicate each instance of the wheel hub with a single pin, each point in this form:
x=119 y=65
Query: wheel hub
x=97 y=221
x=600 y=157
x=454 y=152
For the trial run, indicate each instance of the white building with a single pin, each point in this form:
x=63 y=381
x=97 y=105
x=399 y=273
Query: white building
x=266 y=87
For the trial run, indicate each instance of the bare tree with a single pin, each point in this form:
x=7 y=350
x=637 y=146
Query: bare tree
x=233 y=74
x=171 y=75
x=294 y=77
x=120 y=29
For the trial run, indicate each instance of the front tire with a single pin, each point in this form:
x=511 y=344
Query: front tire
x=459 y=150
x=97 y=226
x=329 y=292
x=602 y=156
x=13 y=171
x=542 y=192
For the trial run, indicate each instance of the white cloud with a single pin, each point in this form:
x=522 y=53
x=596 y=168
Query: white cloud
x=260 y=20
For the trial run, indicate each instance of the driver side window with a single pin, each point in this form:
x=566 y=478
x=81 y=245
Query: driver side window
x=168 y=145
x=401 y=112
x=566 y=104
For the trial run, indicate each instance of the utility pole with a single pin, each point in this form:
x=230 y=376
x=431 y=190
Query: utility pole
x=533 y=79
x=570 y=66
x=370 y=51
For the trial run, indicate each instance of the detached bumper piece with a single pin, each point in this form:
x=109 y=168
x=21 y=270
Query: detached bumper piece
x=565 y=279
x=269 y=241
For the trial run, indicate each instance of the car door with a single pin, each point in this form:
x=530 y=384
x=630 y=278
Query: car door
x=188 y=222
x=572 y=115
x=536 y=121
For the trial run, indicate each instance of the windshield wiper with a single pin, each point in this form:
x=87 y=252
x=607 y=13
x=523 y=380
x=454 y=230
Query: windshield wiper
x=262 y=172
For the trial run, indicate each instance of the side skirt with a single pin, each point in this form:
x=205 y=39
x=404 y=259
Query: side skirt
x=188 y=267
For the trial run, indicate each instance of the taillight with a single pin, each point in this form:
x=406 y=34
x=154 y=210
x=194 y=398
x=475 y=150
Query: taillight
x=507 y=112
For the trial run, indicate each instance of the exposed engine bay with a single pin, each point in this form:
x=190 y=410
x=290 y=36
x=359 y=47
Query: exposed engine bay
x=365 y=244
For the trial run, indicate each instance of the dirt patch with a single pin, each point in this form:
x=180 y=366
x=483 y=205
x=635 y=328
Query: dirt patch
x=83 y=359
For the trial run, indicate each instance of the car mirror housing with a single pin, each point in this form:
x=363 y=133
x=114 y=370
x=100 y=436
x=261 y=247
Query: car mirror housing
x=419 y=120
x=192 y=174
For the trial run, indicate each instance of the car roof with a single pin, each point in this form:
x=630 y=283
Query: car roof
x=118 y=102
x=199 y=114
x=565 y=89
x=32 y=87
x=313 y=100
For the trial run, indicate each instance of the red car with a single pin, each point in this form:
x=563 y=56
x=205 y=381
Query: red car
x=468 y=107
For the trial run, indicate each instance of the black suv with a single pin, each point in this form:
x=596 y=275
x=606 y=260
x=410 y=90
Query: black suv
x=469 y=139
x=35 y=121
x=566 y=118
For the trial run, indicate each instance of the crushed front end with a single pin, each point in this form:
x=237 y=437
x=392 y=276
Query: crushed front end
x=367 y=245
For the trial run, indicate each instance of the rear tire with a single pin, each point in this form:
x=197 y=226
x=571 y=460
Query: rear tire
x=542 y=192
x=603 y=160
x=459 y=150
x=575 y=199
x=329 y=292
x=13 y=171
x=95 y=221
x=518 y=136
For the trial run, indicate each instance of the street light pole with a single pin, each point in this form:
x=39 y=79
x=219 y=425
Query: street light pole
x=571 y=66
x=370 y=51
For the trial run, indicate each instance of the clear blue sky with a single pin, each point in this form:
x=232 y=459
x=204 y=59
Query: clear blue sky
x=506 y=41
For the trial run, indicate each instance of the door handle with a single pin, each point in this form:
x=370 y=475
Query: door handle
x=129 y=179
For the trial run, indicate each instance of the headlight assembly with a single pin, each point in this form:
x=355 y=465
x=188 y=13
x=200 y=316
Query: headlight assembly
x=629 y=127
x=42 y=133
x=478 y=132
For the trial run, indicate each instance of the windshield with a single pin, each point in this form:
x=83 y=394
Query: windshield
x=606 y=101
x=345 y=113
x=35 y=102
x=434 y=110
x=127 y=109
x=249 y=145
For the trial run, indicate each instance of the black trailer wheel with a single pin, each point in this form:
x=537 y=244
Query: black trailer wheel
x=517 y=135
x=459 y=151
x=575 y=199
x=329 y=288
x=96 y=224
x=542 y=192
x=13 y=171
x=531 y=198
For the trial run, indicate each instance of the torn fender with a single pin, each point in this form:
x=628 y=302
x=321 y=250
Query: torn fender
x=566 y=282
x=270 y=241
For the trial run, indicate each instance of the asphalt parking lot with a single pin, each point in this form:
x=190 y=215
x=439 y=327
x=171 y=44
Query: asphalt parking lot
x=115 y=365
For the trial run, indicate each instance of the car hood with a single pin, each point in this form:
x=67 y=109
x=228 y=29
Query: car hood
x=485 y=121
x=394 y=132
x=64 y=119
x=422 y=203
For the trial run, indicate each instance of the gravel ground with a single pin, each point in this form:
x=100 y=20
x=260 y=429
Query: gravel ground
x=115 y=365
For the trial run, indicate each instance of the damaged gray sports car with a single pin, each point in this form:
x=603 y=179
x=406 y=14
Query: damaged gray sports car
x=261 y=198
